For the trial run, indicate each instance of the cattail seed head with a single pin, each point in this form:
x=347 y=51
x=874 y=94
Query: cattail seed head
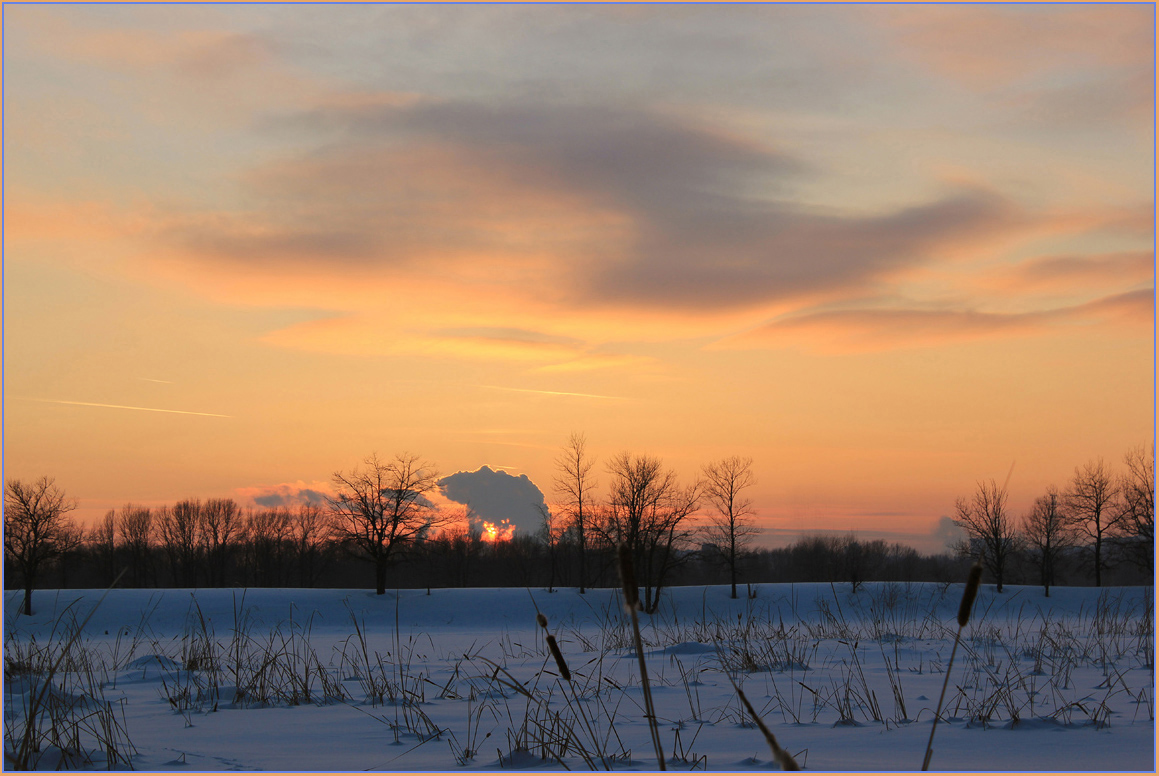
x=628 y=578
x=541 y=619
x=559 y=661
x=973 y=582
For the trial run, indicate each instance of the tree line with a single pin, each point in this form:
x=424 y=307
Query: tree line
x=697 y=532
x=1101 y=520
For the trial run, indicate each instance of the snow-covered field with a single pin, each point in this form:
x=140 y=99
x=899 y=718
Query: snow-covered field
x=346 y=680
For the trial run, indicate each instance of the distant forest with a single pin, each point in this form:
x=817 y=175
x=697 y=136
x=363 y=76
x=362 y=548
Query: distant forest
x=379 y=526
x=283 y=548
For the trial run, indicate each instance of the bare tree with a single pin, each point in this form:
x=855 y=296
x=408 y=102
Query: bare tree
x=575 y=485
x=72 y=540
x=135 y=525
x=312 y=531
x=990 y=532
x=382 y=508
x=648 y=512
x=102 y=540
x=267 y=534
x=179 y=528
x=730 y=529
x=1137 y=496
x=1048 y=534
x=1090 y=509
x=36 y=528
x=551 y=534
x=220 y=523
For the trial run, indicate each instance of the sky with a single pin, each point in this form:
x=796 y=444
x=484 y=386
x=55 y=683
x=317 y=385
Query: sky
x=886 y=251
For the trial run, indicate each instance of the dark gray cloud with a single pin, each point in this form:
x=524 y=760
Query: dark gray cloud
x=496 y=496
x=708 y=218
x=716 y=257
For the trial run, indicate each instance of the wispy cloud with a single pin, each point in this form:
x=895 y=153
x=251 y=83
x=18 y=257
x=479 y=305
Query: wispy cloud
x=555 y=393
x=869 y=330
x=1077 y=271
x=120 y=407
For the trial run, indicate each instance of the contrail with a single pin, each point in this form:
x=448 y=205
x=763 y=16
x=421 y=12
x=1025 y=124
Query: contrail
x=151 y=380
x=554 y=393
x=122 y=407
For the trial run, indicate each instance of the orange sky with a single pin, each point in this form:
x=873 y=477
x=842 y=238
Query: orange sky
x=886 y=251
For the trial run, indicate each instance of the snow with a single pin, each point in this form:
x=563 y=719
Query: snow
x=462 y=678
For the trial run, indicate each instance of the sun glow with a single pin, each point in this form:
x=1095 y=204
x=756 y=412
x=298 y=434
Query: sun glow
x=498 y=533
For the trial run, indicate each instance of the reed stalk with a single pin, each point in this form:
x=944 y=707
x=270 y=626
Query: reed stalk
x=632 y=605
x=973 y=582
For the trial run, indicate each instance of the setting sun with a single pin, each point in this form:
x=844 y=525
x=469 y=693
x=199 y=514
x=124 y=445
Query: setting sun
x=497 y=533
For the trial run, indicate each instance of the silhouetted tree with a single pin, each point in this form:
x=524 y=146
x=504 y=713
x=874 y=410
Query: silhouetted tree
x=267 y=536
x=1137 y=494
x=648 y=512
x=382 y=508
x=1048 y=535
x=135 y=526
x=990 y=531
x=729 y=528
x=312 y=533
x=576 y=487
x=179 y=529
x=36 y=528
x=102 y=541
x=1091 y=510
x=550 y=535
x=220 y=524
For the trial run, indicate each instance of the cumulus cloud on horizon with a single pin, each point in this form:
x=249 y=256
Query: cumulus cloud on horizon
x=496 y=496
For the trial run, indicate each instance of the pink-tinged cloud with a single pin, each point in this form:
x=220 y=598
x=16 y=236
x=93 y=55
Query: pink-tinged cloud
x=285 y=494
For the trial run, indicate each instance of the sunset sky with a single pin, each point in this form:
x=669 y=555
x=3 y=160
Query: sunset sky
x=886 y=251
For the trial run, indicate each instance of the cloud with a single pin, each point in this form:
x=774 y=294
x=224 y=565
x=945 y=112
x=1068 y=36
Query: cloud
x=1131 y=308
x=1071 y=271
x=947 y=533
x=988 y=46
x=121 y=407
x=496 y=496
x=368 y=334
x=554 y=393
x=869 y=330
x=579 y=206
x=285 y=494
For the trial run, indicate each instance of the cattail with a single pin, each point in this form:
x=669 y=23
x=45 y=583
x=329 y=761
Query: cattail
x=973 y=582
x=559 y=661
x=783 y=758
x=541 y=619
x=631 y=606
x=628 y=579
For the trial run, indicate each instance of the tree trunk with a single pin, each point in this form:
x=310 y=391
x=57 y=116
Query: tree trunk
x=1098 y=561
x=732 y=568
x=380 y=576
x=28 y=596
x=582 y=575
